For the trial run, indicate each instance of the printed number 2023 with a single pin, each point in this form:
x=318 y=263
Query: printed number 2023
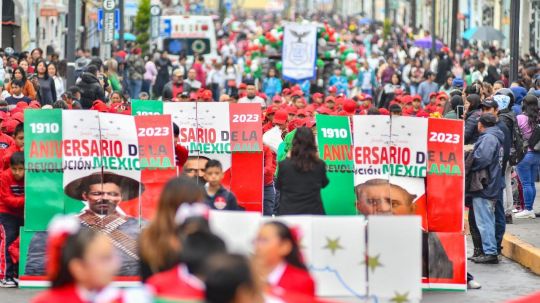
x=44 y=128
x=245 y=118
x=444 y=137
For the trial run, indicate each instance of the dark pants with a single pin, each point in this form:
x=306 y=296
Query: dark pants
x=500 y=222
x=269 y=204
x=9 y=231
x=475 y=233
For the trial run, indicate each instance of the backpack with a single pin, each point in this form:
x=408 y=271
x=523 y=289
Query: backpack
x=519 y=146
x=534 y=140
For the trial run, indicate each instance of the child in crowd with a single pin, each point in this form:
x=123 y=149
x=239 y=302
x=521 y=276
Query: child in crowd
x=11 y=215
x=80 y=263
x=278 y=254
x=18 y=136
x=217 y=197
x=16 y=93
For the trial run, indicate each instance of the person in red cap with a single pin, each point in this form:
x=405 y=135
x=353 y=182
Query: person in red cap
x=330 y=103
x=317 y=99
x=416 y=109
x=406 y=104
x=6 y=142
x=332 y=91
x=269 y=117
x=277 y=100
x=291 y=110
x=18 y=136
x=281 y=118
x=299 y=102
x=349 y=107
x=301 y=114
x=432 y=106
x=100 y=106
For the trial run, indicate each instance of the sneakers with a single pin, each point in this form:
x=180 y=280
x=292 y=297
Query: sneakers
x=525 y=214
x=477 y=253
x=8 y=283
x=486 y=259
x=472 y=284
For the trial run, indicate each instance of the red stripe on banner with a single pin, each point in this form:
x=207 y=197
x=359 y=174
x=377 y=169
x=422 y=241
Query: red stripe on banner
x=245 y=178
x=446 y=173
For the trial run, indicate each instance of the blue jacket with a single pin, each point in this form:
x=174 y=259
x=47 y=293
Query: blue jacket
x=271 y=87
x=340 y=83
x=487 y=154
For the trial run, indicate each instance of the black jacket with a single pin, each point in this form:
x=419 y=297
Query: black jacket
x=300 y=192
x=91 y=90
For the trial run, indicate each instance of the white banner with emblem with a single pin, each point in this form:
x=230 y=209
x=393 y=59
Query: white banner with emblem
x=299 y=51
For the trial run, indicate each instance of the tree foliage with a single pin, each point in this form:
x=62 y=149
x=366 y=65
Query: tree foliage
x=142 y=24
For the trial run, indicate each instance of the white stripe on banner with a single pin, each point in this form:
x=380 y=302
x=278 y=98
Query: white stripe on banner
x=299 y=51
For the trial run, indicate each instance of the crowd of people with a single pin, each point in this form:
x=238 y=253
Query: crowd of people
x=388 y=75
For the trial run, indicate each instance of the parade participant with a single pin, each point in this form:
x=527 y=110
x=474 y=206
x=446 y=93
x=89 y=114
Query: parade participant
x=301 y=177
x=80 y=265
x=278 y=255
x=217 y=197
x=269 y=194
x=527 y=168
x=194 y=168
x=185 y=280
x=180 y=152
x=16 y=93
x=229 y=279
x=27 y=88
x=11 y=215
x=251 y=96
x=317 y=99
x=18 y=146
x=159 y=244
x=174 y=87
x=103 y=193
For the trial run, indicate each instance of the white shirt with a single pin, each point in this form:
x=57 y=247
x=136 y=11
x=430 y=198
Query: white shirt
x=255 y=99
x=276 y=274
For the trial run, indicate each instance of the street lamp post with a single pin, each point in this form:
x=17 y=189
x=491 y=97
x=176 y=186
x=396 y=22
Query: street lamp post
x=71 y=41
x=121 y=25
x=514 y=39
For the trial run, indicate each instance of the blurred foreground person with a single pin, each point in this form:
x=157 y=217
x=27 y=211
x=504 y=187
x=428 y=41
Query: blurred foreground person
x=278 y=256
x=159 y=244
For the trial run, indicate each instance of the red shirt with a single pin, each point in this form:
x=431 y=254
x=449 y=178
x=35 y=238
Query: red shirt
x=11 y=195
x=66 y=294
x=269 y=165
x=296 y=280
x=181 y=155
x=173 y=284
x=7 y=155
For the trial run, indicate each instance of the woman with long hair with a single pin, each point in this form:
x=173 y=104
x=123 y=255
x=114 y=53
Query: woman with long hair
x=52 y=71
x=301 y=177
x=159 y=244
x=28 y=88
x=80 y=263
x=472 y=114
x=278 y=256
x=232 y=76
x=527 y=169
x=46 y=86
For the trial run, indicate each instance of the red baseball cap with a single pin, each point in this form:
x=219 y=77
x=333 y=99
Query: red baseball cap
x=317 y=95
x=384 y=111
x=349 y=106
x=286 y=92
x=301 y=112
x=329 y=99
x=271 y=110
x=242 y=86
x=416 y=97
x=18 y=116
x=407 y=99
x=292 y=109
x=324 y=110
x=332 y=89
x=280 y=117
x=22 y=104
x=310 y=122
x=276 y=98
x=442 y=95
x=3 y=115
x=433 y=95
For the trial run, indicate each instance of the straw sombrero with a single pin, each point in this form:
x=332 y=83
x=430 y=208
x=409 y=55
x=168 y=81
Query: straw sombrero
x=130 y=188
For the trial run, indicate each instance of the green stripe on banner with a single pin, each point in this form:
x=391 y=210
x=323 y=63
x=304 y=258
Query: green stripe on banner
x=44 y=177
x=335 y=148
x=146 y=107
